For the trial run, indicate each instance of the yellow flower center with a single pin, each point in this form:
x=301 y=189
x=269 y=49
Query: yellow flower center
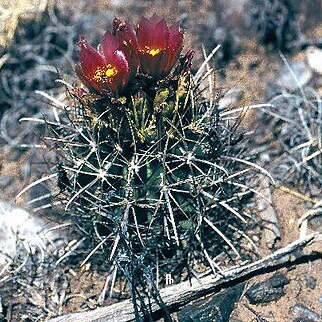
x=105 y=74
x=151 y=51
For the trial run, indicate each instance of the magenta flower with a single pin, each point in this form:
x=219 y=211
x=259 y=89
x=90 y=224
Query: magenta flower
x=154 y=48
x=159 y=46
x=125 y=34
x=106 y=69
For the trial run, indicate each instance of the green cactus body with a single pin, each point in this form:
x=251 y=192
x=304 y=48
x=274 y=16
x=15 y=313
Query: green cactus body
x=148 y=168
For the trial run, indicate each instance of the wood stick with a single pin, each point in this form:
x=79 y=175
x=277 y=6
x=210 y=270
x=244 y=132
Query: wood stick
x=177 y=296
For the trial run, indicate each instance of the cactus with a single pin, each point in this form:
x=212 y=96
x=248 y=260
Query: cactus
x=149 y=168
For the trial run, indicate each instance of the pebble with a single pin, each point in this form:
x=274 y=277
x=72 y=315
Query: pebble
x=301 y=313
x=5 y=181
x=314 y=59
x=269 y=290
x=315 y=222
x=15 y=154
x=22 y=233
x=218 y=307
x=310 y=282
x=230 y=98
x=303 y=74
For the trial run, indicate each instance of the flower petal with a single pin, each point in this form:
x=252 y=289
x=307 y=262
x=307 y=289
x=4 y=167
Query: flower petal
x=160 y=35
x=80 y=74
x=145 y=33
x=175 y=45
x=175 y=37
x=159 y=46
x=109 y=45
x=125 y=33
x=89 y=58
x=126 y=36
x=107 y=69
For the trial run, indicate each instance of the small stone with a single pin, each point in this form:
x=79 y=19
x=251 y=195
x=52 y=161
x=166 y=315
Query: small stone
x=269 y=290
x=15 y=154
x=5 y=181
x=265 y=157
x=218 y=307
x=310 y=282
x=21 y=232
x=301 y=74
x=301 y=313
x=230 y=98
x=315 y=222
x=314 y=59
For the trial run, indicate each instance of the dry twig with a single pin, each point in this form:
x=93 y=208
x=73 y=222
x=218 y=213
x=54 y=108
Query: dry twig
x=178 y=295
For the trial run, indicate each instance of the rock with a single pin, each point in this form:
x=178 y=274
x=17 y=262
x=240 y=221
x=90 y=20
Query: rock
x=216 y=308
x=314 y=59
x=315 y=222
x=301 y=313
x=5 y=181
x=22 y=233
x=310 y=282
x=302 y=75
x=15 y=154
x=269 y=290
x=231 y=97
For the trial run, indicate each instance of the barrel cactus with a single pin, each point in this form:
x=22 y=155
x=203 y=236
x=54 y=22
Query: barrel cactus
x=149 y=168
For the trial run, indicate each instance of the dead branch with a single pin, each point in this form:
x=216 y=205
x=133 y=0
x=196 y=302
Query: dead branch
x=177 y=296
x=267 y=212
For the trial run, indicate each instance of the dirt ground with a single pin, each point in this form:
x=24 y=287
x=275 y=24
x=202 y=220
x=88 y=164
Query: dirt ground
x=289 y=209
x=251 y=69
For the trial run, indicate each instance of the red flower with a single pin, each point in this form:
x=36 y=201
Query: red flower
x=125 y=34
x=105 y=69
x=159 y=46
